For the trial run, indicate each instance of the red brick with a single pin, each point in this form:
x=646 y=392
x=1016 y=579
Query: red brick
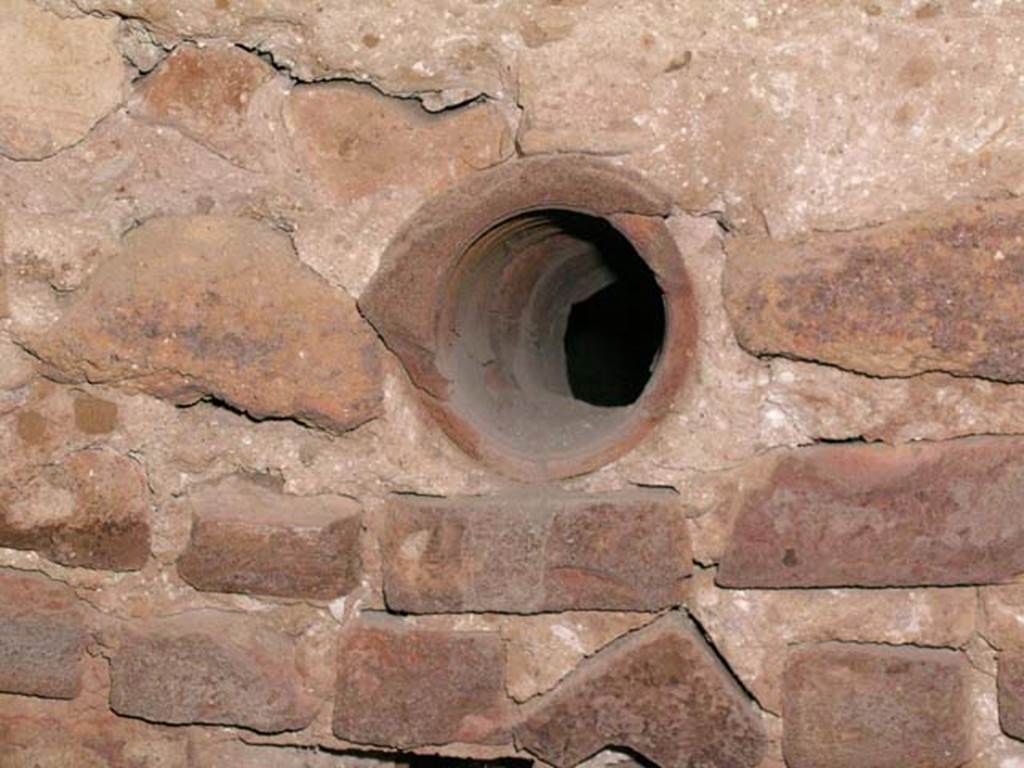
x=250 y=538
x=867 y=515
x=660 y=692
x=210 y=668
x=1011 y=693
x=205 y=93
x=934 y=291
x=42 y=637
x=89 y=509
x=207 y=307
x=539 y=551
x=404 y=687
x=856 y=706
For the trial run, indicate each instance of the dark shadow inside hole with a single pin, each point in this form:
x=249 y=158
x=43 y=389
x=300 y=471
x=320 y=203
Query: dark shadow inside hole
x=613 y=336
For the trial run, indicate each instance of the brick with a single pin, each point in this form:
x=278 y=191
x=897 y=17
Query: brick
x=42 y=637
x=754 y=628
x=89 y=509
x=1011 y=693
x=531 y=552
x=856 y=706
x=250 y=538
x=404 y=687
x=206 y=93
x=61 y=76
x=939 y=291
x=659 y=692
x=210 y=668
x=337 y=130
x=868 y=515
x=207 y=307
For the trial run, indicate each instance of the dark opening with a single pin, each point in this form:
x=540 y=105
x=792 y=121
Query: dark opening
x=613 y=336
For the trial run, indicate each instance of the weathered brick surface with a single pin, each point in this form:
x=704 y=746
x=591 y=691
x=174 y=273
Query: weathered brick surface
x=337 y=130
x=250 y=538
x=936 y=291
x=42 y=637
x=210 y=668
x=660 y=692
x=1011 y=693
x=60 y=78
x=90 y=509
x=405 y=687
x=853 y=706
x=198 y=307
x=865 y=515
x=529 y=552
x=205 y=93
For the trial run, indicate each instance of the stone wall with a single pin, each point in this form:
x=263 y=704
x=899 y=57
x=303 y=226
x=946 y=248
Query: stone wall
x=235 y=528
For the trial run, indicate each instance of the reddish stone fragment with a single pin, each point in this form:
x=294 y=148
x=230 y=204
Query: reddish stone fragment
x=1011 y=693
x=404 y=687
x=867 y=515
x=91 y=510
x=660 y=692
x=524 y=553
x=856 y=706
x=337 y=130
x=207 y=307
x=42 y=637
x=247 y=537
x=938 y=291
x=213 y=669
x=205 y=93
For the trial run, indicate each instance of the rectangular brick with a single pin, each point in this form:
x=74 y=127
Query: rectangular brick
x=876 y=516
x=404 y=687
x=857 y=706
x=212 y=668
x=537 y=551
x=250 y=538
x=42 y=637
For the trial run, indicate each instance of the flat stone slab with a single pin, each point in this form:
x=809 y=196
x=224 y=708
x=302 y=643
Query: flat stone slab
x=214 y=307
x=537 y=551
x=938 y=291
x=875 y=516
x=859 y=706
x=660 y=692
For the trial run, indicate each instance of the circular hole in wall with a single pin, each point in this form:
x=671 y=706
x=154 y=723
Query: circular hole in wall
x=555 y=330
x=543 y=312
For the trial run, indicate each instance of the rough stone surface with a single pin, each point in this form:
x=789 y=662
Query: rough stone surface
x=218 y=307
x=540 y=551
x=660 y=692
x=934 y=292
x=850 y=706
x=866 y=515
x=90 y=509
x=250 y=538
x=1011 y=694
x=206 y=94
x=42 y=638
x=392 y=680
x=60 y=78
x=337 y=129
x=213 y=669
x=753 y=629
